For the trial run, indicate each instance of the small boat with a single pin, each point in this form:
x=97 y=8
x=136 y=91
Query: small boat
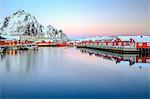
x=23 y=48
x=32 y=47
x=29 y=47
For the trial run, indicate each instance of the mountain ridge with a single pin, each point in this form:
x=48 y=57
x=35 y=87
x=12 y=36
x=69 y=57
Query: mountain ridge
x=24 y=23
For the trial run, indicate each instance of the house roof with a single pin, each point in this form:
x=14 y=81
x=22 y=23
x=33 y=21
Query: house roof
x=136 y=38
x=96 y=38
x=11 y=37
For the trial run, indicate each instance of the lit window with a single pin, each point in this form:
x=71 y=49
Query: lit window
x=140 y=44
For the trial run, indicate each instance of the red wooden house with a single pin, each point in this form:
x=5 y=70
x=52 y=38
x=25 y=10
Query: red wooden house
x=123 y=42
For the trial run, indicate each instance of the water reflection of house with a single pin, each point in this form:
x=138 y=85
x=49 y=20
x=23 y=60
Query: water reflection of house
x=143 y=59
x=131 y=58
x=20 y=64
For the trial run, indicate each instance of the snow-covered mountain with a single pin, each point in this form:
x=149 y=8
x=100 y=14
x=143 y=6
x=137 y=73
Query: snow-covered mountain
x=23 y=23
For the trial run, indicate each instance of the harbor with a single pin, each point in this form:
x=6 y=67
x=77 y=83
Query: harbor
x=16 y=43
x=119 y=44
x=74 y=49
x=74 y=68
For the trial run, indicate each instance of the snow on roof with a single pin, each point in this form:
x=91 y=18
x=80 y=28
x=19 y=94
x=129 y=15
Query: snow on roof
x=142 y=39
x=11 y=37
x=106 y=38
x=46 y=40
x=96 y=38
x=136 y=38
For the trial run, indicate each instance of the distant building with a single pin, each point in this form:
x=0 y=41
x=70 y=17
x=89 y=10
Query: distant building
x=19 y=37
x=137 y=42
x=27 y=37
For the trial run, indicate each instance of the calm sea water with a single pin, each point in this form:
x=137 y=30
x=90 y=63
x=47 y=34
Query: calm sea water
x=70 y=72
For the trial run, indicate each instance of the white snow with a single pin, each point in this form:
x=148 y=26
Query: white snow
x=10 y=37
x=22 y=22
x=137 y=38
x=96 y=38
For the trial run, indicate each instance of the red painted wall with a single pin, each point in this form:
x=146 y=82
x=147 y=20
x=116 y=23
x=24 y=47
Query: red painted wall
x=143 y=45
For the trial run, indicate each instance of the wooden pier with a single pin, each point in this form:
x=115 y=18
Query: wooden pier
x=115 y=49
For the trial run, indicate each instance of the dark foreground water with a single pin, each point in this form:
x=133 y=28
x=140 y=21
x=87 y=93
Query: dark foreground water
x=71 y=72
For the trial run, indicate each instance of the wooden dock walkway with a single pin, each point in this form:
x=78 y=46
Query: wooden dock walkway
x=115 y=49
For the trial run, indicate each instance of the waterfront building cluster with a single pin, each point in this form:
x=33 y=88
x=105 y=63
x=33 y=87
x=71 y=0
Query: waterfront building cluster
x=120 y=44
x=25 y=42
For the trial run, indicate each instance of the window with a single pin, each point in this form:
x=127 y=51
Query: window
x=140 y=44
x=148 y=44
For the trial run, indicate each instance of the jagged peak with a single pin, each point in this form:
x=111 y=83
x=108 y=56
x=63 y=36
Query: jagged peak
x=20 y=12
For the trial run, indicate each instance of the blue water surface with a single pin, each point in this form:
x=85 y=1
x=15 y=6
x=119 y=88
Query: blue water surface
x=67 y=72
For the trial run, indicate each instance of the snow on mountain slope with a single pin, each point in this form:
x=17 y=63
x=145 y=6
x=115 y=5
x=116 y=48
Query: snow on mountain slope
x=1 y=27
x=55 y=34
x=23 y=23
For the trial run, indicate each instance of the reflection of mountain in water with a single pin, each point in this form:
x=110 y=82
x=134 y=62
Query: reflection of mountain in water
x=131 y=58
